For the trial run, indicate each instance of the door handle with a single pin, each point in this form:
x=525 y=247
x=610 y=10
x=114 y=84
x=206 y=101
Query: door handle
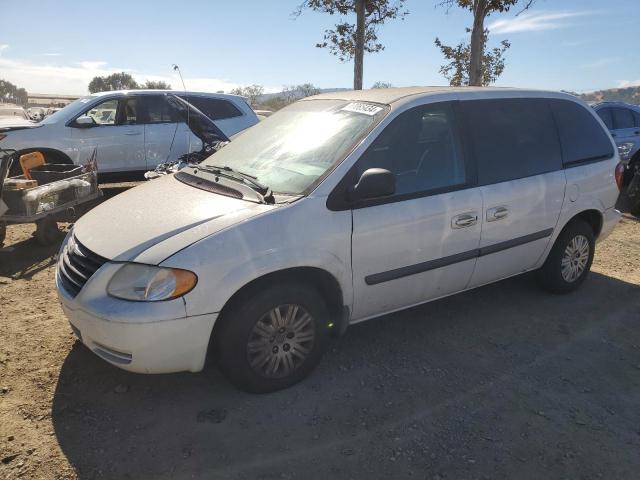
x=132 y=133
x=464 y=220
x=497 y=213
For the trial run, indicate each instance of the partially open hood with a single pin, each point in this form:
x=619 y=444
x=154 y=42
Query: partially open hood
x=202 y=126
x=154 y=220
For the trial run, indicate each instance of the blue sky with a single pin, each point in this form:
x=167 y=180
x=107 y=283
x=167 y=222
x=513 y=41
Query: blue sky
x=57 y=47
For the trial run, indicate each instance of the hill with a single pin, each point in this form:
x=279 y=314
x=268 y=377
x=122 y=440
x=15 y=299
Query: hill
x=628 y=95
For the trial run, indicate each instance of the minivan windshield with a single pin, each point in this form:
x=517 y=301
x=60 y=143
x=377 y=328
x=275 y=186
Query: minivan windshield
x=293 y=148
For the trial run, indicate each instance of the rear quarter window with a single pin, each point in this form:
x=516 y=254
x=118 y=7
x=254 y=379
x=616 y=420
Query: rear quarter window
x=512 y=138
x=214 y=108
x=583 y=139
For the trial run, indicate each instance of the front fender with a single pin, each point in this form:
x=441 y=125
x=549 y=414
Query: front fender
x=305 y=234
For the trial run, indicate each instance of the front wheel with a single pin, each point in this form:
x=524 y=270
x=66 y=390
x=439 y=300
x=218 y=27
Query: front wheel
x=274 y=338
x=570 y=258
x=3 y=232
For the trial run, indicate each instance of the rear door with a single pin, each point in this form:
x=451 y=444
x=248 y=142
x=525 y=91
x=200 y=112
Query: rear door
x=118 y=135
x=519 y=161
x=160 y=132
x=419 y=243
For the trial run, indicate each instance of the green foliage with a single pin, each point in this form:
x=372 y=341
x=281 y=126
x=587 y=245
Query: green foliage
x=156 y=85
x=115 y=81
x=341 y=40
x=252 y=92
x=457 y=70
x=10 y=93
x=487 y=6
x=380 y=84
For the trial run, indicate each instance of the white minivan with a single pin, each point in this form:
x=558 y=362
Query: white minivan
x=339 y=208
x=133 y=130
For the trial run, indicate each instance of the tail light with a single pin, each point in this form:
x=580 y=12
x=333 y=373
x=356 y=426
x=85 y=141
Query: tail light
x=619 y=174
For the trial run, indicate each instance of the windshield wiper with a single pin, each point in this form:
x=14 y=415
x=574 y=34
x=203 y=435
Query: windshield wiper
x=264 y=191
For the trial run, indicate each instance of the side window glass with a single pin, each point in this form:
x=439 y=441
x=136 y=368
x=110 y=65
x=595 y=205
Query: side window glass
x=421 y=149
x=636 y=116
x=512 y=138
x=104 y=113
x=581 y=136
x=158 y=110
x=214 y=108
x=622 y=118
x=605 y=115
x=129 y=110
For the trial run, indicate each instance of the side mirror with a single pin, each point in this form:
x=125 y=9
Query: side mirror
x=374 y=183
x=84 y=122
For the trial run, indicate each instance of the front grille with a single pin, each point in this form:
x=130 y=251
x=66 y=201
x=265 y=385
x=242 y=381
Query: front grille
x=76 y=265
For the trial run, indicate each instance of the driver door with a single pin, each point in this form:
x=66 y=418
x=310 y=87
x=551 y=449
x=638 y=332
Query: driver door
x=118 y=135
x=420 y=243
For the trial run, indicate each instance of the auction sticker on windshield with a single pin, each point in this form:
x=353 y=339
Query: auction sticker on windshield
x=365 y=108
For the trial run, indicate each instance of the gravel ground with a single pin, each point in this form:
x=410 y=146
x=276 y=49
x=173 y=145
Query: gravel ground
x=504 y=381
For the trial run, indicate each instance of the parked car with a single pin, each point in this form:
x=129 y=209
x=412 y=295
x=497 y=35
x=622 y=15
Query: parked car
x=134 y=131
x=337 y=209
x=623 y=121
x=12 y=112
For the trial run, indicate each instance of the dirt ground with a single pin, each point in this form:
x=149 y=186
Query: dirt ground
x=505 y=381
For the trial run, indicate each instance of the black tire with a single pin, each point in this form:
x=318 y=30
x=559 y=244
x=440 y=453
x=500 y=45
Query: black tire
x=633 y=194
x=47 y=232
x=551 y=276
x=238 y=330
x=3 y=232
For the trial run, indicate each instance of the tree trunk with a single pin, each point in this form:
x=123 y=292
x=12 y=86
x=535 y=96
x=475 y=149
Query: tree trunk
x=477 y=44
x=358 y=63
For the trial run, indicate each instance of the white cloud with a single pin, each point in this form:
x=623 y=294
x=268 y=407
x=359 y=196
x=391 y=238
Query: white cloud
x=3 y=47
x=533 y=22
x=628 y=83
x=602 y=62
x=73 y=79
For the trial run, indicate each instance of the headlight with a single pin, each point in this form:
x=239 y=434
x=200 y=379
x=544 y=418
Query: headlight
x=624 y=149
x=146 y=283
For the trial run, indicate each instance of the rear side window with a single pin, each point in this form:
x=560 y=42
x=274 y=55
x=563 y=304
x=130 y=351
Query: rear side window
x=158 y=110
x=605 y=115
x=512 y=138
x=581 y=136
x=636 y=116
x=214 y=108
x=622 y=118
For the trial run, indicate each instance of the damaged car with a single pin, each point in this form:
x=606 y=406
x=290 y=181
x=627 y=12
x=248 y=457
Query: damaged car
x=133 y=131
x=337 y=209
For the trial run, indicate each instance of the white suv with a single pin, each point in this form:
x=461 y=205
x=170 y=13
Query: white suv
x=134 y=131
x=339 y=208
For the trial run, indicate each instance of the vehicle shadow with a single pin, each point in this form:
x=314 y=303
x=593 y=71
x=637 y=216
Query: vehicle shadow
x=505 y=381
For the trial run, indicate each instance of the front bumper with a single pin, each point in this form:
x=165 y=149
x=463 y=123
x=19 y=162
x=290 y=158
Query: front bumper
x=142 y=337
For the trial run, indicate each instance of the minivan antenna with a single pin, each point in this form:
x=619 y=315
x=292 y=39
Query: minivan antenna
x=176 y=68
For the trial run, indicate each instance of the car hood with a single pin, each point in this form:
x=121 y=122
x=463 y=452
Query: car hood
x=154 y=220
x=12 y=123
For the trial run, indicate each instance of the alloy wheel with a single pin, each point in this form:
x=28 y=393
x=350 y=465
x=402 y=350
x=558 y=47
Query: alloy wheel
x=575 y=258
x=281 y=341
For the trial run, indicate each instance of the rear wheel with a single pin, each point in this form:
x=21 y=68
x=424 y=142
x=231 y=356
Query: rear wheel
x=3 y=232
x=570 y=259
x=273 y=339
x=633 y=194
x=47 y=232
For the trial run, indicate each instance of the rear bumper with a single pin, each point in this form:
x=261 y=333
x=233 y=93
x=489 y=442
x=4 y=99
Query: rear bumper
x=610 y=219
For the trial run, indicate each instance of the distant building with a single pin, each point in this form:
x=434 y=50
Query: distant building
x=50 y=100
